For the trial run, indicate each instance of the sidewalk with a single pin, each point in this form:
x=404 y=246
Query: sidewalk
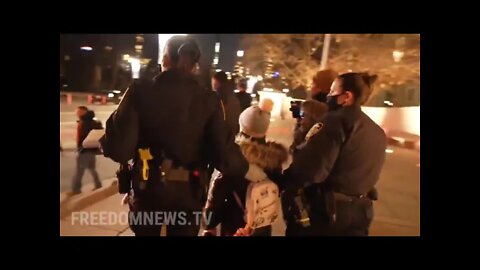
x=71 y=225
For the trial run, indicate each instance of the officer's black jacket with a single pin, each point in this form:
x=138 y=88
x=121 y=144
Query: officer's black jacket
x=176 y=117
x=348 y=153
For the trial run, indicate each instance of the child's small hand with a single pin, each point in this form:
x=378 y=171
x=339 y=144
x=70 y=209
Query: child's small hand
x=243 y=232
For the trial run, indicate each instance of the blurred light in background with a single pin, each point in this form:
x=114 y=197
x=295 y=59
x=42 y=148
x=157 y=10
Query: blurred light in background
x=252 y=80
x=397 y=56
x=285 y=90
x=126 y=57
x=240 y=53
x=389 y=151
x=389 y=103
x=217 y=47
x=110 y=95
x=399 y=139
x=86 y=48
x=135 y=63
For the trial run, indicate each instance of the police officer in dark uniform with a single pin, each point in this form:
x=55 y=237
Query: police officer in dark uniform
x=329 y=186
x=171 y=129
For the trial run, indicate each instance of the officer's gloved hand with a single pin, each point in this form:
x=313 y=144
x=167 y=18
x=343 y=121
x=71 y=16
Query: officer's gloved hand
x=125 y=199
x=289 y=187
x=255 y=173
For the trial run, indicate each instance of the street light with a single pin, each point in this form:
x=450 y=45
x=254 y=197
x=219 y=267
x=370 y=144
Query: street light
x=240 y=53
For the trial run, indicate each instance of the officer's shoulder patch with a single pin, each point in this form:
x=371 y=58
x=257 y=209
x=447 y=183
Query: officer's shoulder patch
x=314 y=130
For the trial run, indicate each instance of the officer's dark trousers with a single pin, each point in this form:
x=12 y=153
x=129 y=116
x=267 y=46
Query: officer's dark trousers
x=353 y=219
x=178 y=200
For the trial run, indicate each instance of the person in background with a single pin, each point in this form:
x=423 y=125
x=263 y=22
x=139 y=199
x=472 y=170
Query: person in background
x=86 y=158
x=230 y=107
x=230 y=103
x=322 y=81
x=244 y=97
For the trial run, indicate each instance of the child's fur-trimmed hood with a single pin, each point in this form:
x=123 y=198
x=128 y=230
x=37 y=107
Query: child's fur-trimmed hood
x=269 y=156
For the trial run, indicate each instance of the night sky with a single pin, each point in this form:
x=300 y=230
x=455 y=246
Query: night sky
x=124 y=43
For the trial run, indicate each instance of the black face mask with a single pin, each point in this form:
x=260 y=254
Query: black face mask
x=332 y=102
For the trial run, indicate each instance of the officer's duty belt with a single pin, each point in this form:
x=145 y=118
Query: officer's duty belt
x=180 y=174
x=347 y=198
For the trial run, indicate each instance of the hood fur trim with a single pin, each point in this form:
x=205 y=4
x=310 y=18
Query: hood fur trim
x=268 y=156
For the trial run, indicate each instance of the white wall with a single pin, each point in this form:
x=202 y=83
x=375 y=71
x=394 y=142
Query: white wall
x=404 y=119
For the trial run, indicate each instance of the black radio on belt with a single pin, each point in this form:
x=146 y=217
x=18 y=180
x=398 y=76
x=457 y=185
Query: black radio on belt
x=124 y=177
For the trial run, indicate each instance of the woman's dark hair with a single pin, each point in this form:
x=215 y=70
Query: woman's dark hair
x=183 y=52
x=360 y=84
x=221 y=77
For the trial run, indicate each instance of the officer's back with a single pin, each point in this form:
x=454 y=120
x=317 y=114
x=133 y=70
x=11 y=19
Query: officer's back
x=173 y=114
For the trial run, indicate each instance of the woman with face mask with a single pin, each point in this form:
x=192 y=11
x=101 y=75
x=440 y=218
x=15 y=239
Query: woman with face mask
x=339 y=166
